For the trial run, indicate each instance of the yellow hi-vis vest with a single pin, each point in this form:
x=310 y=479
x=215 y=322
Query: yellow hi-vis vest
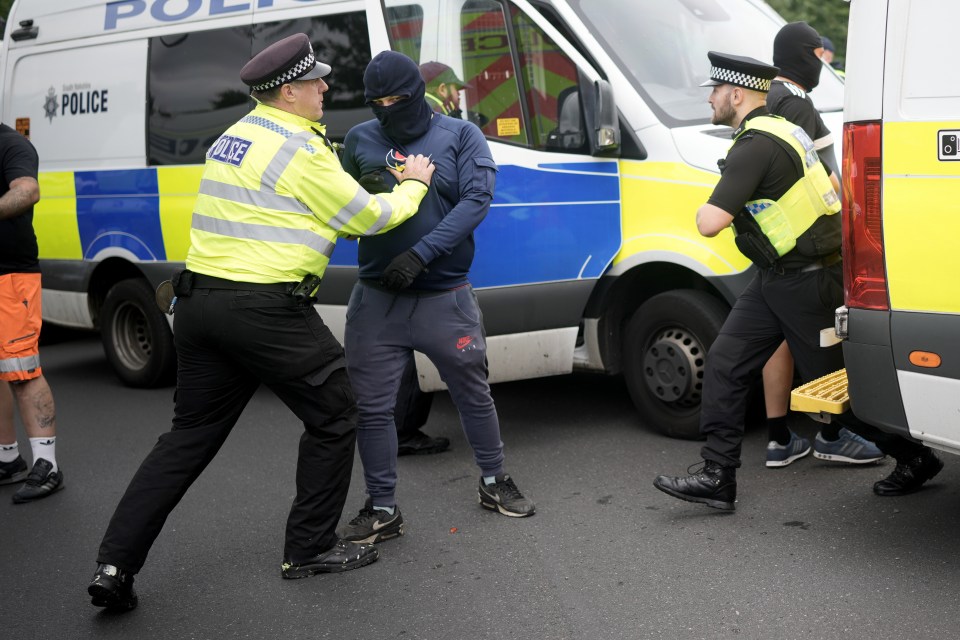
x=273 y=200
x=436 y=103
x=784 y=220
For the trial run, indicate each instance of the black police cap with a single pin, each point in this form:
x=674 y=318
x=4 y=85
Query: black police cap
x=284 y=61
x=740 y=71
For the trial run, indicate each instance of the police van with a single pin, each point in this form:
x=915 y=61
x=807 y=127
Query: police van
x=901 y=221
x=589 y=258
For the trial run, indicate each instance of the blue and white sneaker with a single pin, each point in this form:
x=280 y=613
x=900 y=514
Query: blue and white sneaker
x=780 y=455
x=849 y=447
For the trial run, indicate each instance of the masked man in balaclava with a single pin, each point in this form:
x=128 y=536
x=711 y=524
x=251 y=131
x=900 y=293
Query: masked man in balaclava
x=413 y=293
x=797 y=49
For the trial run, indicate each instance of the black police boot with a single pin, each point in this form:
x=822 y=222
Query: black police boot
x=344 y=556
x=910 y=474
x=712 y=485
x=113 y=589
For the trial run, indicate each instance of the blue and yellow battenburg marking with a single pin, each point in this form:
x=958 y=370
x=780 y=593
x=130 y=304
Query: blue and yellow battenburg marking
x=140 y=212
x=575 y=232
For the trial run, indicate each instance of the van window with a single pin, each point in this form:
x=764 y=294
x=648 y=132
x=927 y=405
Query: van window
x=195 y=92
x=535 y=104
x=343 y=42
x=550 y=87
x=405 y=24
x=662 y=47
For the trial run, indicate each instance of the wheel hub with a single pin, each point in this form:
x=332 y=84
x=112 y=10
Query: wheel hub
x=673 y=367
x=132 y=336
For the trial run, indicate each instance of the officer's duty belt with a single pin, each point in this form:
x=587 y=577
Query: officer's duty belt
x=822 y=263
x=201 y=281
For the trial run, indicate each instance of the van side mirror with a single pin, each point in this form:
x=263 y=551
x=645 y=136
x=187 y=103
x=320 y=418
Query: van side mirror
x=606 y=124
x=600 y=111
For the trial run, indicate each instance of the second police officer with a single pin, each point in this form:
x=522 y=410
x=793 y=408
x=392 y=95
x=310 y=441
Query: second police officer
x=776 y=193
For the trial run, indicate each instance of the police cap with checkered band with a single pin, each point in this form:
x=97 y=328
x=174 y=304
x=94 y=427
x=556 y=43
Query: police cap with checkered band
x=740 y=71
x=282 y=62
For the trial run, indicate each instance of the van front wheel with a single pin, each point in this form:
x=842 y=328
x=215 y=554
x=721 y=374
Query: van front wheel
x=664 y=353
x=136 y=337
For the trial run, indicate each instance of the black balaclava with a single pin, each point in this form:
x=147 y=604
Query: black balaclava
x=394 y=74
x=793 y=53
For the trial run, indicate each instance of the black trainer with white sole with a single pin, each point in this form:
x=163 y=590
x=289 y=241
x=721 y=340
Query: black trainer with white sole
x=373 y=525
x=504 y=496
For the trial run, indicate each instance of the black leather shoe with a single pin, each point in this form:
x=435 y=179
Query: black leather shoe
x=113 y=589
x=420 y=444
x=712 y=485
x=909 y=475
x=344 y=556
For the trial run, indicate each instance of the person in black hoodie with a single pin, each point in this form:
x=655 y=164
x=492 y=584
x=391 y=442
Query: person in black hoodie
x=414 y=293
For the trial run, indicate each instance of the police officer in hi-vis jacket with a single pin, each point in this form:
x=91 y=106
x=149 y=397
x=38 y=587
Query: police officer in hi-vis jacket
x=273 y=201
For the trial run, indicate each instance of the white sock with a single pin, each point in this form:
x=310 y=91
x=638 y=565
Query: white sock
x=390 y=510
x=9 y=452
x=488 y=480
x=45 y=448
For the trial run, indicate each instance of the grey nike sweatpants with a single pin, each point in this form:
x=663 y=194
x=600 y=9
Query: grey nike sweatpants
x=382 y=331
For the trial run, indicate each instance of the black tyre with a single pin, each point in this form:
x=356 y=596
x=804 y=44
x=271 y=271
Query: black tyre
x=664 y=351
x=136 y=337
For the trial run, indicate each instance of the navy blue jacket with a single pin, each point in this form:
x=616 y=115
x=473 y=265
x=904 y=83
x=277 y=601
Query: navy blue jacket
x=461 y=190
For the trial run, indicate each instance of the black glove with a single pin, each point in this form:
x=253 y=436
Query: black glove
x=402 y=271
x=373 y=183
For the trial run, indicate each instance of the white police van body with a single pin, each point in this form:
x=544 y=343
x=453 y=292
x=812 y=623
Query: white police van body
x=589 y=257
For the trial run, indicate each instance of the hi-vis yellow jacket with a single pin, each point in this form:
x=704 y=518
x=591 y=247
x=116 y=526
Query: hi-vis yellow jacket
x=812 y=196
x=273 y=201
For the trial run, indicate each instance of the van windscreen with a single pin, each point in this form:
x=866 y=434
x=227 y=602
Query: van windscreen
x=661 y=45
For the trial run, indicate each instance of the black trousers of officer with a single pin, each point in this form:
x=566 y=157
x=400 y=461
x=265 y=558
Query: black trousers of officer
x=775 y=306
x=228 y=343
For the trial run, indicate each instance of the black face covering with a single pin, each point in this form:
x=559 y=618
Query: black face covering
x=394 y=74
x=793 y=52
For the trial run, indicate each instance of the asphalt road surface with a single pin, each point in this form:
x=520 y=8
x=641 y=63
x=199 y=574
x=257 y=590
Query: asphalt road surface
x=809 y=553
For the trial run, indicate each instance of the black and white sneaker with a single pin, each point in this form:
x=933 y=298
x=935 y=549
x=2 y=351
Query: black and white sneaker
x=373 y=525
x=112 y=589
x=503 y=496
x=14 y=471
x=41 y=482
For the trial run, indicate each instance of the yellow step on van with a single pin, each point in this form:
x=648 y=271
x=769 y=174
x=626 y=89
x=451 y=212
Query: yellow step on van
x=901 y=222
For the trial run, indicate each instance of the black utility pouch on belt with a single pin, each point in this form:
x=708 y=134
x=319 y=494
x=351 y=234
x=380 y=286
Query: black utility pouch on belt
x=752 y=242
x=182 y=283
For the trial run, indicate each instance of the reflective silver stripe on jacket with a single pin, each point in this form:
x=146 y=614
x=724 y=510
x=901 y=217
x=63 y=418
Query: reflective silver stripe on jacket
x=273 y=126
x=263 y=199
x=263 y=232
x=16 y=365
x=283 y=158
x=357 y=205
